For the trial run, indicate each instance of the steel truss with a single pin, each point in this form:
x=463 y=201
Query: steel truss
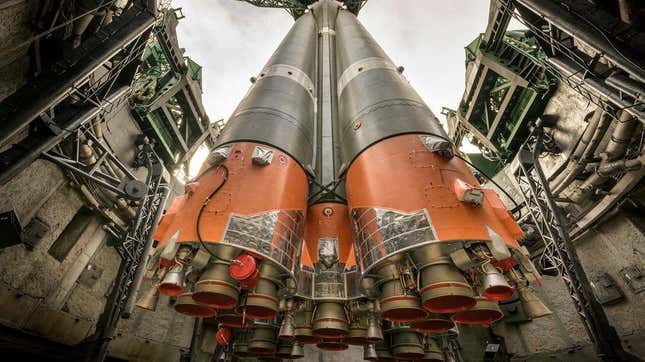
x=559 y=253
x=107 y=173
x=575 y=68
x=133 y=247
x=297 y=7
x=67 y=101
x=134 y=238
x=83 y=84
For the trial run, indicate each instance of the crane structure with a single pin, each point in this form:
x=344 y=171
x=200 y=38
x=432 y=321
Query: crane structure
x=297 y=7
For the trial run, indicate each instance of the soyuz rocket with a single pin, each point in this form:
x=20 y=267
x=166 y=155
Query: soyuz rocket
x=334 y=211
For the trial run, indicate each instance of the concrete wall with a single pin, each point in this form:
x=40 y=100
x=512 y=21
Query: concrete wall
x=153 y=336
x=45 y=297
x=15 y=28
x=608 y=248
x=38 y=291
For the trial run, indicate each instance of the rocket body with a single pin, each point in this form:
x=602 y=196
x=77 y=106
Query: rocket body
x=333 y=209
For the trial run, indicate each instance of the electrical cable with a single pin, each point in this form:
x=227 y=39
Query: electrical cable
x=206 y=201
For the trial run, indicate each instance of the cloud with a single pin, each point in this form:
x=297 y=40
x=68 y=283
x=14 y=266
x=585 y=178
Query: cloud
x=428 y=39
x=232 y=40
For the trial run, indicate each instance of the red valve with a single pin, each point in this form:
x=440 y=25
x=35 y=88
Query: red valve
x=166 y=263
x=506 y=264
x=244 y=270
x=223 y=336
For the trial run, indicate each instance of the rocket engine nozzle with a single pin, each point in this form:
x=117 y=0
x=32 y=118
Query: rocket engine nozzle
x=173 y=283
x=369 y=353
x=263 y=341
x=357 y=331
x=303 y=327
x=297 y=351
x=284 y=349
x=494 y=285
x=262 y=301
x=406 y=344
x=287 y=329
x=532 y=305
x=484 y=313
x=185 y=304
x=433 y=323
x=444 y=289
x=374 y=331
x=398 y=304
x=216 y=288
x=332 y=345
x=231 y=319
x=330 y=320
x=432 y=351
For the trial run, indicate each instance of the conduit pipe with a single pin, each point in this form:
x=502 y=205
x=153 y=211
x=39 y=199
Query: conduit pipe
x=573 y=24
x=574 y=72
x=584 y=151
x=613 y=161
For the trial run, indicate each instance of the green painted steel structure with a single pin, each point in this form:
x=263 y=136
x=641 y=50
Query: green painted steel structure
x=167 y=96
x=506 y=88
x=297 y=7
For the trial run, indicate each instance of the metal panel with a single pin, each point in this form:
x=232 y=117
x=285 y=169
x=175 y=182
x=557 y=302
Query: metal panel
x=279 y=111
x=376 y=101
x=380 y=233
x=275 y=235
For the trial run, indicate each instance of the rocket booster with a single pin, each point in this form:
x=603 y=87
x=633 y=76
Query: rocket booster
x=333 y=211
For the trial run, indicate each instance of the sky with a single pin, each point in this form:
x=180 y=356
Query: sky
x=232 y=40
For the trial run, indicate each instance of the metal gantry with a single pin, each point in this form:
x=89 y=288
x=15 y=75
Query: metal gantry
x=58 y=117
x=133 y=247
x=559 y=28
x=107 y=175
x=297 y=7
x=73 y=90
x=559 y=253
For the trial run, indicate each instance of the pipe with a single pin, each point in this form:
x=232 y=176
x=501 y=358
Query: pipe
x=557 y=176
x=98 y=130
x=80 y=26
x=588 y=154
x=585 y=150
x=620 y=137
x=627 y=85
x=570 y=23
x=612 y=163
x=131 y=300
x=88 y=153
x=570 y=70
x=625 y=10
x=107 y=213
x=614 y=167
